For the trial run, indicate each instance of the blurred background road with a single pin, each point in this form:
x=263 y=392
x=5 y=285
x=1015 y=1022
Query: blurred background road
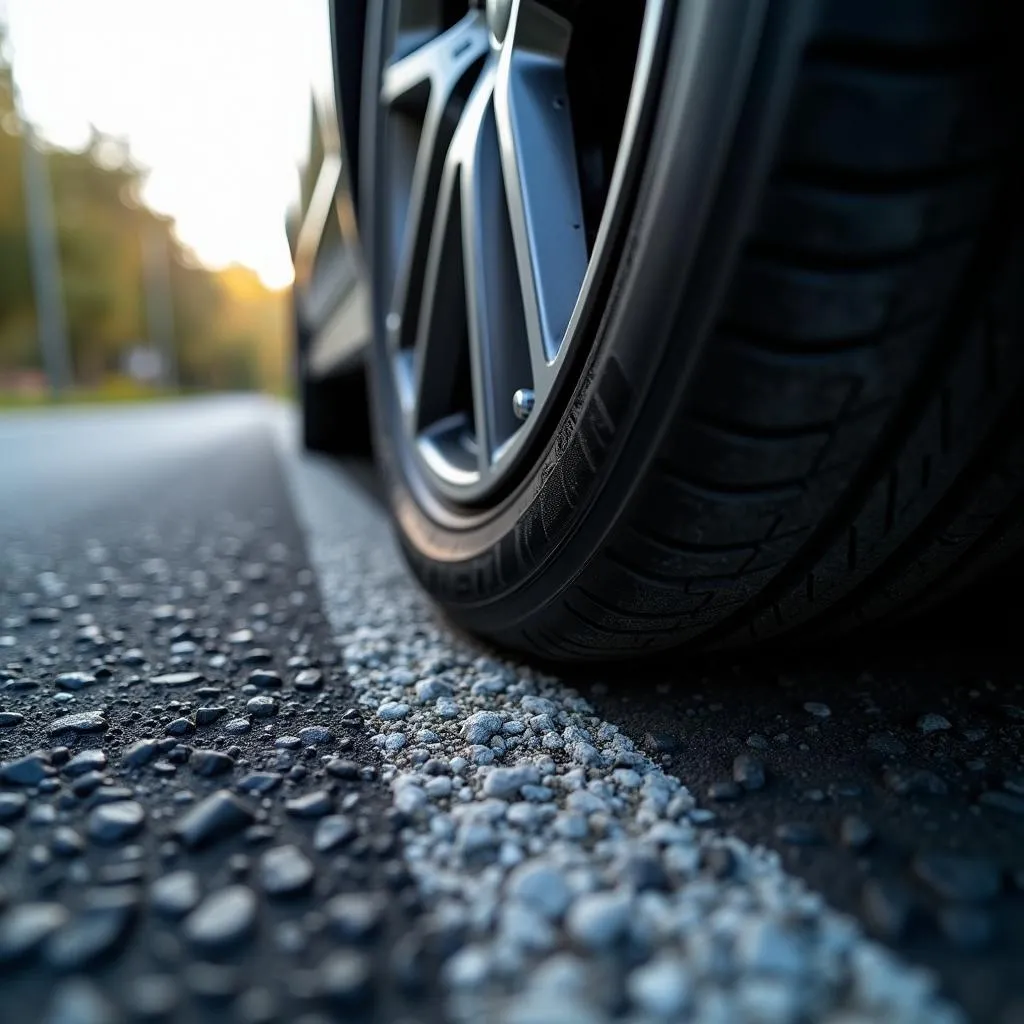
x=64 y=465
x=154 y=588
x=146 y=166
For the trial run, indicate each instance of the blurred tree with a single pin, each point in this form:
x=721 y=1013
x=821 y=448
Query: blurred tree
x=259 y=321
x=17 y=318
x=230 y=330
x=197 y=311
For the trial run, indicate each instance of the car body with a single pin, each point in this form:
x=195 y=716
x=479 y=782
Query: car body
x=331 y=290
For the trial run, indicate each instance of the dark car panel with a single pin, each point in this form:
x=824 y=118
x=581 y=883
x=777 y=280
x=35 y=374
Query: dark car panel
x=330 y=288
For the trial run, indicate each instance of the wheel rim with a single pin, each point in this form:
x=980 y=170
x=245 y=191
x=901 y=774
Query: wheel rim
x=506 y=138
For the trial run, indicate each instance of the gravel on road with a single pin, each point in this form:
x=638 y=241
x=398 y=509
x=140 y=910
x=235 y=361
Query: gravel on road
x=566 y=874
x=171 y=836
x=217 y=803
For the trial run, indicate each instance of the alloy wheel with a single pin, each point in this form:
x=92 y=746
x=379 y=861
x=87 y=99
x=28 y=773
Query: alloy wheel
x=505 y=137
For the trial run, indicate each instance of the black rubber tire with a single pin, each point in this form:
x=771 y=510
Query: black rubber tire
x=823 y=424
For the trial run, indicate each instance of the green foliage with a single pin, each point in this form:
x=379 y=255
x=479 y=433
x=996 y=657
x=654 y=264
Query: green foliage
x=15 y=282
x=101 y=223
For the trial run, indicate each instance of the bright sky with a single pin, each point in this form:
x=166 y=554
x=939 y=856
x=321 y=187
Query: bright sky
x=212 y=96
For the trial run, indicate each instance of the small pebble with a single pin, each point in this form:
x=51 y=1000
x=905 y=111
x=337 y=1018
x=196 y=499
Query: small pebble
x=749 y=772
x=599 y=920
x=85 y=761
x=261 y=707
x=75 y=680
x=725 y=790
x=285 y=871
x=26 y=926
x=175 y=894
x=309 y=679
x=354 y=916
x=816 y=708
x=662 y=987
x=541 y=887
x=209 y=763
x=855 y=832
x=798 y=833
x=344 y=977
x=315 y=735
x=114 y=822
x=333 y=831
x=217 y=817
x=177 y=679
x=260 y=782
x=392 y=711
x=78 y=1000
x=82 y=722
x=223 y=919
x=311 y=805
x=12 y=806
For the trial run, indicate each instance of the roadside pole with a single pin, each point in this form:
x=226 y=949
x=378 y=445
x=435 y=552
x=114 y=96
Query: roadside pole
x=159 y=299
x=45 y=260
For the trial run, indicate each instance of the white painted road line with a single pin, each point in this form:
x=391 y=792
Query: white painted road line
x=577 y=880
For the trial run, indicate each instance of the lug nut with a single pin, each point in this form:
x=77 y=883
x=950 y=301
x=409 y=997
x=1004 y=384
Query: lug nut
x=522 y=403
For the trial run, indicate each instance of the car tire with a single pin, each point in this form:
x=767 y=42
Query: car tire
x=800 y=409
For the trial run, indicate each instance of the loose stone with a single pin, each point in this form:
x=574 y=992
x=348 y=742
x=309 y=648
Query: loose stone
x=223 y=919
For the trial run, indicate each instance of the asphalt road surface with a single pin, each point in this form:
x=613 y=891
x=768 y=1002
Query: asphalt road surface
x=248 y=773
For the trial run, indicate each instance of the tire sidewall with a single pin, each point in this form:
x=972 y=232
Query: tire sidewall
x=486 y=566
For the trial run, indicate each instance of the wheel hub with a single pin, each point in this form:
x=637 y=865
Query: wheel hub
x=503 y=130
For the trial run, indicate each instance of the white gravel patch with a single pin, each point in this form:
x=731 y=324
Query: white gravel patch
x=563 y=866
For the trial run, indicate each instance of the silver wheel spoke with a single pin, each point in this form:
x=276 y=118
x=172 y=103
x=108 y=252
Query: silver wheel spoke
x=542 y=186
x=499 y=349
x=429 y=80
x=472 y=305
x=482 y=220
x=433 y=69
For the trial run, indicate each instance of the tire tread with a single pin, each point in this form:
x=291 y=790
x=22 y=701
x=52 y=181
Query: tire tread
x=851 y=440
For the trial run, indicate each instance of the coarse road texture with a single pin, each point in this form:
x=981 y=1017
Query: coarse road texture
x=252 y=776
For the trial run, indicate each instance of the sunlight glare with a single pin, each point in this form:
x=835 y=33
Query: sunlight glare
x=211 y=95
